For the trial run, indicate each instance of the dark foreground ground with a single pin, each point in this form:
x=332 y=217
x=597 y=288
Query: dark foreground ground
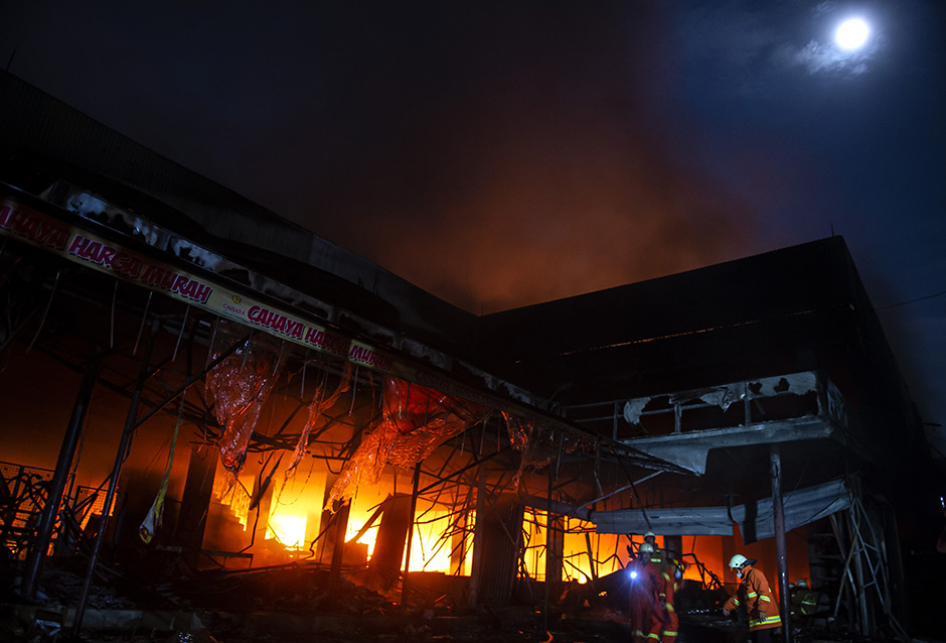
x=292 y=604
x=445 y=632
x=510 y=625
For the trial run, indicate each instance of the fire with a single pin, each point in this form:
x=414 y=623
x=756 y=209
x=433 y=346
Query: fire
x=431 y=549
x=606 y=549
x=428 y=551
x=288 y=530
x=355 y=521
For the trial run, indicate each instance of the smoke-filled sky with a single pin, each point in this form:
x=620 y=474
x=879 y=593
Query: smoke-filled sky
x=500 y=154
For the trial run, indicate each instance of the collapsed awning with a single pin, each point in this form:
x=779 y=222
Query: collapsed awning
x=155 y=261
x=755 y=519
x=151 y=261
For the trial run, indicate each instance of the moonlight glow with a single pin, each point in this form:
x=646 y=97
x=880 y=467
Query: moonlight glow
x=852 y=34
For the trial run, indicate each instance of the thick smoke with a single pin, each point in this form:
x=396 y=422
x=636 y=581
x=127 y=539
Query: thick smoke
x=524 y=159
x=494 y=155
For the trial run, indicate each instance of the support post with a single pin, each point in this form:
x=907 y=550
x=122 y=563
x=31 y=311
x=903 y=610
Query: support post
x=458 y=546
x=129 y=430
x=66 y=453
x=778 y=511
x=862 y=581
x=388 y=556
x=747 y=404
x=326 y=544
x=344 y=511
x=195 y=501
x=338 y=548
x=478 y=535
x=405 y=584
x=614 y=427
x=264 y=508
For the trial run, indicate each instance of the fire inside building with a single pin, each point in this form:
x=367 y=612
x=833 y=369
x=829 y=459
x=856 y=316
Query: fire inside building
x=208 y=408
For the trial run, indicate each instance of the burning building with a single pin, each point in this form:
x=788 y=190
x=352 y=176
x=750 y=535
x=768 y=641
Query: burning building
x=227 y=391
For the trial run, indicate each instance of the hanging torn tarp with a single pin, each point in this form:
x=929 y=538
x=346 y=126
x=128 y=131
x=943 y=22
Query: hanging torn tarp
x=321 y=401
x=539 y=444
x=186 y=271
x=415 y=421
x=239 y=387
x=536 y=444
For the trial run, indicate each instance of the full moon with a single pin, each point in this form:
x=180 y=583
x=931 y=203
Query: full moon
x=852 y=34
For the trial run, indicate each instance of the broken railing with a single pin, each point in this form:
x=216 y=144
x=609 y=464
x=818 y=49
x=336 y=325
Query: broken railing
x=24 y=491
x=742 y=403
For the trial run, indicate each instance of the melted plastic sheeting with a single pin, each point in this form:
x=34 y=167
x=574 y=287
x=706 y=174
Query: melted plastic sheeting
x=240 y=386
x=416 y=420
x=538 y=444
x=319 y=404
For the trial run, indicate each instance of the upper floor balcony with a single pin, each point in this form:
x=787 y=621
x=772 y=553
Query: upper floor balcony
x=683 y=426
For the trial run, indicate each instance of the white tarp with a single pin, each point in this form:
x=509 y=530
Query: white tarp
x=755 y=519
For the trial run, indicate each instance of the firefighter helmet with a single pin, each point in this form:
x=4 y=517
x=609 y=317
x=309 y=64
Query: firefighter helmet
x=737 y=561
x=646 y=548
x=650 y=534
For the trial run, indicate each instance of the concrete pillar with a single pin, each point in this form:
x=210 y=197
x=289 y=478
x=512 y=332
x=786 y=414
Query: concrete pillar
x=555 y=549
x=195 y=501
x=496 y=552
x=388 y=554
x=326 y=544
x=673 y=547
x=338 y=551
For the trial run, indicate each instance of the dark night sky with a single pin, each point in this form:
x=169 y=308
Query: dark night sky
x=508 y=153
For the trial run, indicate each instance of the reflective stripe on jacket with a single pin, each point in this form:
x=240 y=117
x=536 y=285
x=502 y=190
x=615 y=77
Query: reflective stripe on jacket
x=757 y=597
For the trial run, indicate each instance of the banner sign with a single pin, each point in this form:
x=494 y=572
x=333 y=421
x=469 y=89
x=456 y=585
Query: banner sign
x=83 y=247
x=40 y=229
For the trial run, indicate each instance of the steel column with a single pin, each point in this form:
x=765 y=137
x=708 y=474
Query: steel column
x=780 y=548
x=405 y=585
x=478 y=535
x=143 y=375
x=66 y=453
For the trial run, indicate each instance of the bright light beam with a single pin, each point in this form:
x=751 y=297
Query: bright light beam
x=852 y=34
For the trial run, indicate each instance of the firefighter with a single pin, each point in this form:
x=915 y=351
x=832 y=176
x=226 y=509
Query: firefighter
x=644 y=576
x=659 y=557
x=804 y=601
x=755 y=595
x=666 y=621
